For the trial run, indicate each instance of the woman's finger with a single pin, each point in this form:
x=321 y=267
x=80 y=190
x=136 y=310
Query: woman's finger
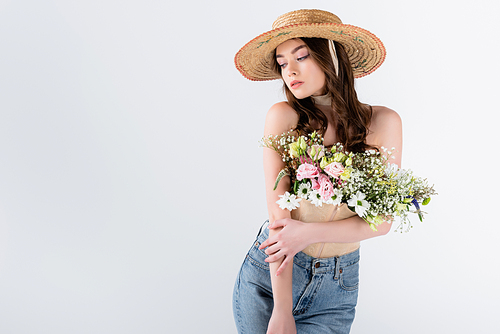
x=277 y=223
x=269 y=241
x=283 y=265
x=272 y=249
x=274 y=257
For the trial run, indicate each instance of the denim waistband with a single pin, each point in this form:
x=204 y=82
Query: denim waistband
x=317 y=265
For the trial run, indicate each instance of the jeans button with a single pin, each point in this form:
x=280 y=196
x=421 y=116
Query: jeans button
x=317 y=265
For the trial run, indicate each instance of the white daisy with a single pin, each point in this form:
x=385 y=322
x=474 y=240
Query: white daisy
x=358 y=202
x=304 y=190
x=288 y=201
x=315 y=198
x=337 y=197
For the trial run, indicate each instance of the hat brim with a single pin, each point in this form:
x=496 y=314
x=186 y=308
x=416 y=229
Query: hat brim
x=365 y=50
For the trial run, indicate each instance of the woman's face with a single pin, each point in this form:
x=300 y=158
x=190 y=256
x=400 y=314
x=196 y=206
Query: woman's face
x=299 y=70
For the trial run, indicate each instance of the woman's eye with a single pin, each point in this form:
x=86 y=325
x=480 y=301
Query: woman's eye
x=302 y=58
x=298 y=59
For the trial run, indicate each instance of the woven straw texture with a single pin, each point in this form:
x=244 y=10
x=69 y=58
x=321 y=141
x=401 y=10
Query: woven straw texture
x=366 y=51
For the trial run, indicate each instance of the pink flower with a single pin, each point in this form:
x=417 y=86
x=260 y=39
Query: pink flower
x=314 y=184
x=334 y=169
x=325 y=190
x=307 y=171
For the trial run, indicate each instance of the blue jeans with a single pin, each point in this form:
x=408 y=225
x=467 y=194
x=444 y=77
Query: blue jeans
x=325 y=292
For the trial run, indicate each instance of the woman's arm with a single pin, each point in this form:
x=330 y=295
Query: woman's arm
x=385 y=131
x=294 y=234
x=280 y=118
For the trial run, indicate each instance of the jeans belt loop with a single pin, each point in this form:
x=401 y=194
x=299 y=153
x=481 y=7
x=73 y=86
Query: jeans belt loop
x=337 y=267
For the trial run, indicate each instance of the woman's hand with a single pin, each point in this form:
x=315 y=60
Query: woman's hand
x=281 y=322
x=286 y=243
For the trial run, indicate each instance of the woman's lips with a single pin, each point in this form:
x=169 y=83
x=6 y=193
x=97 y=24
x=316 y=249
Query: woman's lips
x=296 y=84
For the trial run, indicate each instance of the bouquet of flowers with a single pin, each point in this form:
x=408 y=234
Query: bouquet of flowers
x=366 y=182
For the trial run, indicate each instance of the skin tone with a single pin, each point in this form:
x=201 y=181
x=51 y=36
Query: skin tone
x=287 y=237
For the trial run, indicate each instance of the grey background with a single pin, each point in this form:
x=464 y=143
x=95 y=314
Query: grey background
x=131 y=177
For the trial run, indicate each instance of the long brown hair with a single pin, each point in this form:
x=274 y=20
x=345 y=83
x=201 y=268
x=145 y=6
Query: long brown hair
x=353 y=118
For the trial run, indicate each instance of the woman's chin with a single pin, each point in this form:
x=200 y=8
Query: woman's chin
x=300 y=96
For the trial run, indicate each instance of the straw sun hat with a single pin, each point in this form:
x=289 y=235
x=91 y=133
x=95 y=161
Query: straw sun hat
x=366 y=52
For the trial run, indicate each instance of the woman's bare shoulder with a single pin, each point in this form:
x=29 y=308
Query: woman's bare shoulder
x=386 y=130
x=384 y=119
x=280 y=118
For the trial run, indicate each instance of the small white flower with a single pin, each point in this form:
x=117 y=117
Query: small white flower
x=315 y=198
x=359 y=203
x=304 y=190
x=391 y=169
x=338 y=199
x=288 y=201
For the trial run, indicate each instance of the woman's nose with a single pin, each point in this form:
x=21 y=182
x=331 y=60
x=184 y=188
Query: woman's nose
x=292 y=70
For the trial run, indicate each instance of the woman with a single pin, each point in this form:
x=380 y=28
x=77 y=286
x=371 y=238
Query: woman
x=317 y=58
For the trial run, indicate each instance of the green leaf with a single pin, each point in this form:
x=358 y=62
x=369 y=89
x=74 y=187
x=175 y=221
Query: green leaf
x=281 y=174
x=426 y=201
